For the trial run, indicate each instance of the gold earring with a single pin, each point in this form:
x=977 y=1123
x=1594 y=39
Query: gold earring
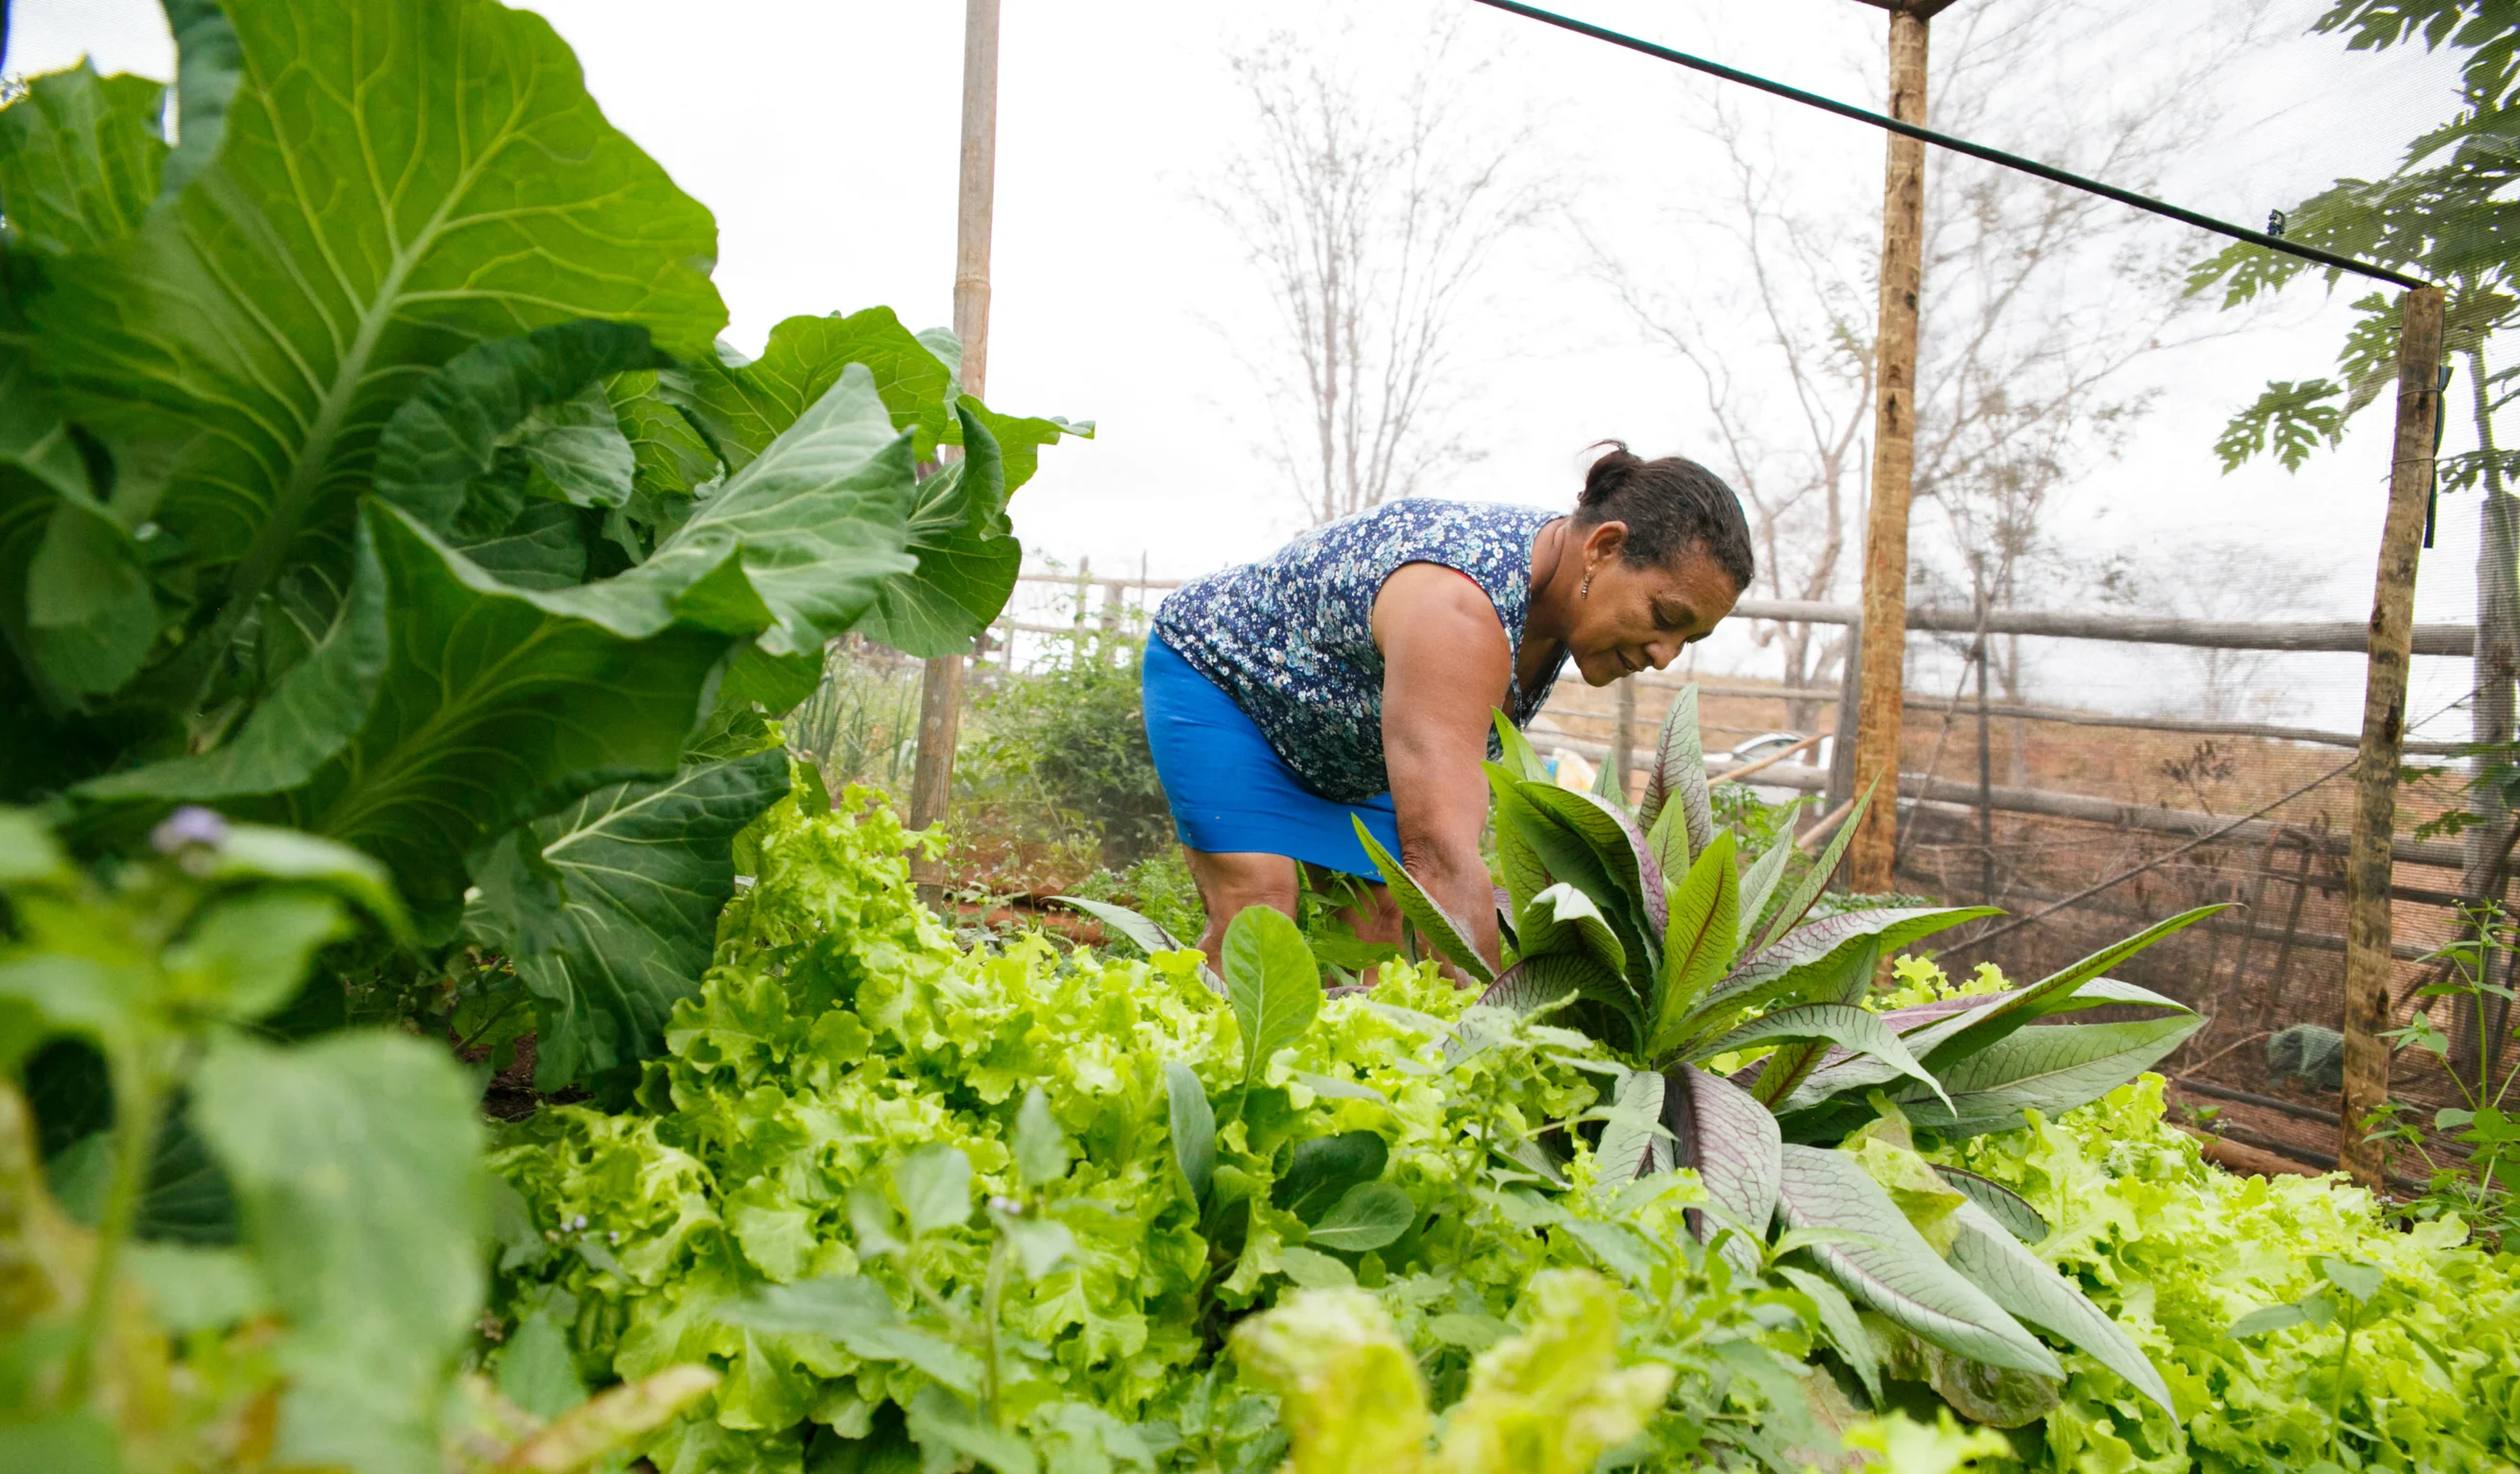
x=1585 y=591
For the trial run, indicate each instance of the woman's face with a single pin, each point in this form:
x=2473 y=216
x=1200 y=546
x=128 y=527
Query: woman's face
x=1639 y=618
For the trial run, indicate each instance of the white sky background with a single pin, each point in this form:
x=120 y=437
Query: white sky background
x=823 y=133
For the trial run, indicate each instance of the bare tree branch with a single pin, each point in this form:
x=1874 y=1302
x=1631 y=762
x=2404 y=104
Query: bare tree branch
x=1369 y=216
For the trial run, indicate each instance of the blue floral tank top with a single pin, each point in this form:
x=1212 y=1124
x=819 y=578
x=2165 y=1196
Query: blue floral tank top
x=1291 y=637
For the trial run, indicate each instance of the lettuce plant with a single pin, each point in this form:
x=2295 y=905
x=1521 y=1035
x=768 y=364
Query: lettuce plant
x=1716 y=963
x=368 y=465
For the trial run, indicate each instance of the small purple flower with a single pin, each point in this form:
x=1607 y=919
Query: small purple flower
x=187 y=826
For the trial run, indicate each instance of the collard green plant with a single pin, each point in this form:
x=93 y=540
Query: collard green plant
x=1811 y=1137
x=368 y=465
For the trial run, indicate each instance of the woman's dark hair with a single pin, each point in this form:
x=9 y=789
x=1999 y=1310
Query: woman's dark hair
x=1669 y=505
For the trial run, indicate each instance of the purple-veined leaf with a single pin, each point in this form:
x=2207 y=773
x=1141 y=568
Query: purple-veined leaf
x=1920 y=1028
x=2035 y=1294
x=1759 y=886
x=1733 y=1142
x=1562 y=918
x=1616 y=842
x=2050 y=993
x=1894 y=1270
x=1679 y=778
x=1792 y=1063
x=1564 y=856
x=1535 y=982
x=1704 y=929
x=1440 y=928
x=1799 y=900
x=1525 y=875
x=2000 y=1203
x=1633 y=1141
x=1785 y=968
x=1838 y=1321
x=2051 y=1070
x=1843 y=1025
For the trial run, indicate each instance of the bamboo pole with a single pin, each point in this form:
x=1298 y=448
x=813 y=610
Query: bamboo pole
x=2368 y=919
x=1873 y=854
x=940 y=692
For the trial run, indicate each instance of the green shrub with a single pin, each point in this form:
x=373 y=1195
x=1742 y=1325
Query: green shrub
x=1062 y=751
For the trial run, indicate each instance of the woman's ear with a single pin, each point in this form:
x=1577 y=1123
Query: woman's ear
x=1604 y=542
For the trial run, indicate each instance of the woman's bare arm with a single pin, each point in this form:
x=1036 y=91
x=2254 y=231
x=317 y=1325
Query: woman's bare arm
x=1445 y=668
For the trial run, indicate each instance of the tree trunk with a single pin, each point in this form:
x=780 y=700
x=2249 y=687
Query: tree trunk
x=2369 y=930
x=1874 y=852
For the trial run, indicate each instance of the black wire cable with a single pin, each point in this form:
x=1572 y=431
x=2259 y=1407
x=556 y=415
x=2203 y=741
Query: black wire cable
x=1958 y=144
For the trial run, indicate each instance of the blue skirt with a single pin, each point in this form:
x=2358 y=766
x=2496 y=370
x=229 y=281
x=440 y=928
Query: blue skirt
x=1230 y=791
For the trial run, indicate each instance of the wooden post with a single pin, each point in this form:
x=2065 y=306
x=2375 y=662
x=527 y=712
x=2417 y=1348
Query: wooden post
x=940 y=691
x=1841 y=790
x=1623 y=738
x=2367 y=929
x=1874 y=855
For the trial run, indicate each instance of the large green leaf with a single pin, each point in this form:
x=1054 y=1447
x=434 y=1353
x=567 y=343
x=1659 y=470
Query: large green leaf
x=72 y=597
x=746 y=406
x=80 y=159
x=310 y=714
x=1634 y=1142
x=1562 y=918
x=447 y=436
x=1731 y=1141
x=1271 y=982
x=1787 y=968
x=1891 y=1268
x=967 y=561
x=1798 y=902
x=2037 y=1295
x=816 y=521
x=1616 y=842
x=494 y=702
x=2051 y=1070
x=2054 y=991
x=208 y=67
x=1606 y=1004
x=1678 y=779
x=1441 y=928
x=396 y=180
x=1856 y=1030
x=356 y=1168
x=608 y=909
x=1704 y=911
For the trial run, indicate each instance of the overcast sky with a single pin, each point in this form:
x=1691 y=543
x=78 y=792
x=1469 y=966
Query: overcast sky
x=822 y=134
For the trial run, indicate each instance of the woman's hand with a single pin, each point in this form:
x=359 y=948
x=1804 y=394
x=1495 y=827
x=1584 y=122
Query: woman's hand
x=1445 y=668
